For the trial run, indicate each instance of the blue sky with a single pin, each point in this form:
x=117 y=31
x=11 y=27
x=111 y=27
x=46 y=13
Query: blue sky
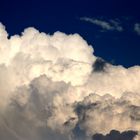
x=114 y=45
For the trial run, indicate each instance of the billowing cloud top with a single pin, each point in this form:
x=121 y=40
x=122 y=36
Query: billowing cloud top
x=53 y=87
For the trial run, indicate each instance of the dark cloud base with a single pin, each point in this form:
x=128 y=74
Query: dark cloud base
x=116 y=135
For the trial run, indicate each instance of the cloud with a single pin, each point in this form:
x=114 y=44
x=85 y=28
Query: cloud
x=54 y=87
x=116 y=135
x=99 y=65
x=111 y=25
x=105 y=113
x=137 y=28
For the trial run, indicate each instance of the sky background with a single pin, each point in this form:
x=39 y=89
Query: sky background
x=112 y=27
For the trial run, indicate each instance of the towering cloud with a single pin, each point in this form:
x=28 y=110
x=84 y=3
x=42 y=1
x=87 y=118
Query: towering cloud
x=53 y=87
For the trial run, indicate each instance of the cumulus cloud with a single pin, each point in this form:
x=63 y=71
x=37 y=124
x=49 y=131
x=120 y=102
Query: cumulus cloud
x=105 y=113
x=106 y=25
x=54 y=87
x=137 y=28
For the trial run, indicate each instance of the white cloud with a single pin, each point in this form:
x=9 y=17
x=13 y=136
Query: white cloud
x=137 y=28
x=112 y=25
x=47 y=86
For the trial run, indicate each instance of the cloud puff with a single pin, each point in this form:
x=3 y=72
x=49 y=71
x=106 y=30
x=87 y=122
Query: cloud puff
x=110 y=25
x=137 y=28
x=105 y=113
x=54 y=87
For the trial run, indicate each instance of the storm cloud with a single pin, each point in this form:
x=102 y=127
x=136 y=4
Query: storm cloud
x=54 y=87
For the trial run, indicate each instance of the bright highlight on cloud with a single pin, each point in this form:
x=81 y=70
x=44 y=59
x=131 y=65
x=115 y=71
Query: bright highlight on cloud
x=111 y=25
x=53 y=87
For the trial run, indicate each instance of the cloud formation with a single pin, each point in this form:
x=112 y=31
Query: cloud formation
x=111 y=25
x=54 y=87
x=116 y=135
x=137 y=28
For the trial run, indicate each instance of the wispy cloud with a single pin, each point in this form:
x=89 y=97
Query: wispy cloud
x=137 y=28
x=106 y=25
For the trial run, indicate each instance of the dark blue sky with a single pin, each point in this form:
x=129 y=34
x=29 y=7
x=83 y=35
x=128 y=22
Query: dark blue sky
x=50 y=16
